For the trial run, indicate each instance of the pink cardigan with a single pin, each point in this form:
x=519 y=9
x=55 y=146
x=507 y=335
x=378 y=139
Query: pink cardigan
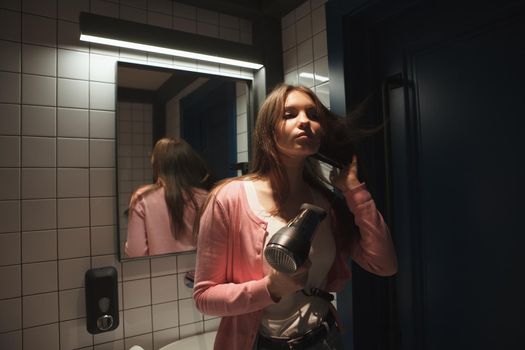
x=149 y=225
x=230 y=281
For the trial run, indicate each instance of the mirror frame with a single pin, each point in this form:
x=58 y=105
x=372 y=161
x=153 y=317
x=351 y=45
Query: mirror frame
x=255 y=86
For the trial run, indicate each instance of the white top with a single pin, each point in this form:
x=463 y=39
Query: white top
x=297 y=313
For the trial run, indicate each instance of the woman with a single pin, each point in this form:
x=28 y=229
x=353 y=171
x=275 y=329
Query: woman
x=262 y=308
x=162 y=215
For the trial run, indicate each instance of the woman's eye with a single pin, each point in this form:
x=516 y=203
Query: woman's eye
x=288 y=115
x=313 y=115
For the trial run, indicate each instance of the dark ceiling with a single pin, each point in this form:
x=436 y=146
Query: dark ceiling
x=247 y=8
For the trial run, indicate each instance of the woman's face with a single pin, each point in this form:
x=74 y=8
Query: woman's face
x=298 y=132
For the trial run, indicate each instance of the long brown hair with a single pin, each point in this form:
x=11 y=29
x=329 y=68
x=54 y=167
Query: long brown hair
x=178 y=169
x=337 y=142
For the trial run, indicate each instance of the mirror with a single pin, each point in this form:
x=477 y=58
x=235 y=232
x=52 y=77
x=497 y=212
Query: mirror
x=210 y=112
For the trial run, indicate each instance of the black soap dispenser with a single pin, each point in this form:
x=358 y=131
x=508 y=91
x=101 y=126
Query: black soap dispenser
x=101 y=299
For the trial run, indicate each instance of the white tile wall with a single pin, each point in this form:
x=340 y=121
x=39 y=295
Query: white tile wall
x=41 y=337
x=102 y=182
x=101 y=153
x=73 y=243
x=304 y=27
x=38 y=152
x=68 y=10
x=164 y=266
x=11 y=316
x=163 y=316
x=103 y=240
x=71 y=272
x=10 y=183
x=38 y=120
x=136 y=293
x=102 y=96
x=305 y=54
x=38 y=60
x=38 y=183
x=164 y=337
x=136 y=269
x=38 y=214
x=208 y=29
x=39 y=278
x=57 y=216
x=11 y=95
x=160 y=19
x=190 y=329
x=9 y=216
x=103 y=211
x=72 y=122
x=185 y=25
x=164 y=288
x=39 y=30
x=38 y=90
x=102 y=68
x=102 y=124
x=73 y=212
x=73 y=335
x=188 y=314
x=10 y=121
x=10 y=273
x=73 y=64
x=39 y=246
x=40 y=8
x=137 y=321
x=72 y=153
x=10 y=60
x=184 y=11
x=40 y=309
x=73 y=93
x=10 y=24
x=160 y=6
x=185 y=262
x=9 y=248
x=9 y=151
x=72 y=182
x=133 y=14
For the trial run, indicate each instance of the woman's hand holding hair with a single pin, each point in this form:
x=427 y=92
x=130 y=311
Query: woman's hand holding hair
x=345 y=179
x=281 y=284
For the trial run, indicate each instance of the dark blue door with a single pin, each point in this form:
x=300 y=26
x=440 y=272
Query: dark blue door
x=455 y=170
x=208 y=124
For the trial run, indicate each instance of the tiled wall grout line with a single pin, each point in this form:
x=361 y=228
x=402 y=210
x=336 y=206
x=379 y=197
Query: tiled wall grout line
x=56 y=179
x=21 y=168
x=89 y=163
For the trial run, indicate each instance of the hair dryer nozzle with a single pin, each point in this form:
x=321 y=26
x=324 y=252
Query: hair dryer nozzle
x=280 y=258
x=289 y=247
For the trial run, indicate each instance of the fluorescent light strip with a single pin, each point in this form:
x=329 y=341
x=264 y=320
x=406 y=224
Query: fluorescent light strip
x=167 y=51
x=320 y=78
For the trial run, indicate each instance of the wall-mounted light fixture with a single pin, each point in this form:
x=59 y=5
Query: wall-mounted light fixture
x=138 y=36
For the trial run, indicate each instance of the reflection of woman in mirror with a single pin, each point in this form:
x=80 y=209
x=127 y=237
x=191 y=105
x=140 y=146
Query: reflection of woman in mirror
x=262 y=308
x=162 y=215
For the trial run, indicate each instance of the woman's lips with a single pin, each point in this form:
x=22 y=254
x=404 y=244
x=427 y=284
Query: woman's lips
x=303 y=134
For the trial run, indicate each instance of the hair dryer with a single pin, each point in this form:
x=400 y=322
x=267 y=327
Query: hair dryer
x=289 y=247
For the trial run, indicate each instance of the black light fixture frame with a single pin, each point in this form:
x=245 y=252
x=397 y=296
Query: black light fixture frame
x=119 y=29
